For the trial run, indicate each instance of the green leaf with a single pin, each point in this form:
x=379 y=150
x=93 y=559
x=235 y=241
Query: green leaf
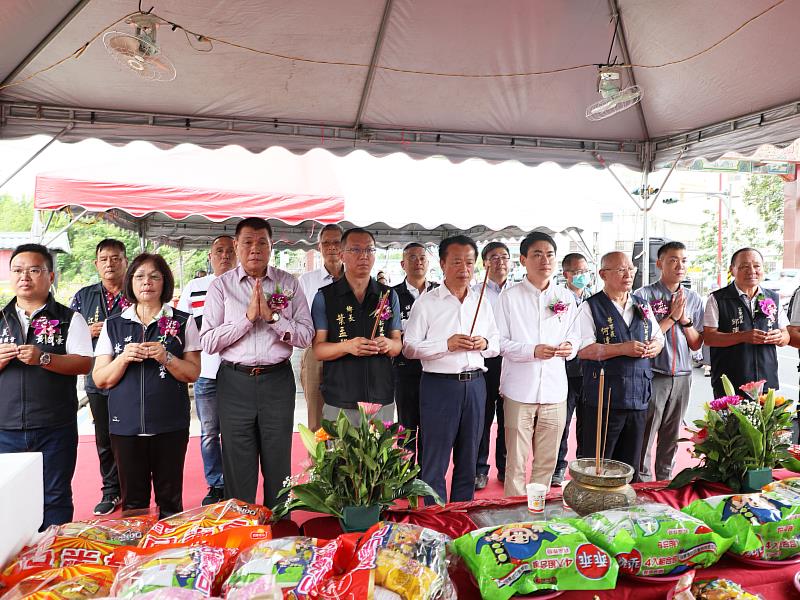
x=685 y=477
x=791 y=463
x=769 y=405
x=311 y=499
x=753 y=435
x=309 y=439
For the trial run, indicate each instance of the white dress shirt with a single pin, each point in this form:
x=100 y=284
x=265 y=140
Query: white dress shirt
x=193 y=300
x=589 y=334
x=711 y=316
x=312 y=281
x=525 y=319
x=435 y=317
x=79 y=339
x=493 y=291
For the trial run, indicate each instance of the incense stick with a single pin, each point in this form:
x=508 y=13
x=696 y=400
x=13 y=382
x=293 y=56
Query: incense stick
x=378 y=313
x=605 y=435
x=600 y=397
x=480 y=299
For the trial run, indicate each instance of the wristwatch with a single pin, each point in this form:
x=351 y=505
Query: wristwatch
x=44 y=359
x=688 y=323
x=276 y=316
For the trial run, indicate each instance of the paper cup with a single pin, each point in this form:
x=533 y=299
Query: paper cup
x=536 y=493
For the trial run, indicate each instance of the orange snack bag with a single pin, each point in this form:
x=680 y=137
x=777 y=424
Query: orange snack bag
x=80 y=581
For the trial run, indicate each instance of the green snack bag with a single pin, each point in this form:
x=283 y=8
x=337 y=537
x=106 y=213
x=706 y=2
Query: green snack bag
x=763 y=525
x=522 y=558
x=285 y=559
x=654 y=539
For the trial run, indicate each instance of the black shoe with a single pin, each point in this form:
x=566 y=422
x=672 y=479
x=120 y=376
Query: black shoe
x=215 y=494
x=501 y=476
x=558 y=477
x=107 y=505
x=481 y=481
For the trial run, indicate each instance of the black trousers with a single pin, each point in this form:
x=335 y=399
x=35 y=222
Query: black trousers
x=494 y=408
x=574 y=406
x=256 y=418
x=625 y=435
x=158 y=458
x=108 y=468
x=406 y=398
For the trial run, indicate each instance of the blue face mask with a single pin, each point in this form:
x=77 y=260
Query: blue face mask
x=580 y=281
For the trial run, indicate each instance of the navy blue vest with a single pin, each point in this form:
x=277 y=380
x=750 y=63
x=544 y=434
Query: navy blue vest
x=628 y=378
x=352 y=379
x=743 y=363
x=33 y=397
x=408 y=366
x=147 y=400
x=91 y=301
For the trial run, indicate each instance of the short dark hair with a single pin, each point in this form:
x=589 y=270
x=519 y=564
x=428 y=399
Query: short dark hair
x=254 y=223
x=111 y=244
x=356 y=231
x=533 y=237
x=570 y=258
x=493 y=246
x=411 y=245
x=740 y=250
x=161 y=265
x=670 y=246
x=459 y=240
x=330 y=227
x=37 y=249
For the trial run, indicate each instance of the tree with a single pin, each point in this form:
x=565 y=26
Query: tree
x=764 y=193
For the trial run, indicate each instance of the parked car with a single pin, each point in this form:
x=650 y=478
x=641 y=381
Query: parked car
x=783 y=281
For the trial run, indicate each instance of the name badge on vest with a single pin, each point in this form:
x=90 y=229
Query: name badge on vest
x=6 y=337
x=738 y=321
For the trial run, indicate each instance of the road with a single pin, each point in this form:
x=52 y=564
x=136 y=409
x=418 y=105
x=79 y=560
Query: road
x=787 y=375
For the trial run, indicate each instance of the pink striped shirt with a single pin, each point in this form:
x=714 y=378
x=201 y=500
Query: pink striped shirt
x=227 y=330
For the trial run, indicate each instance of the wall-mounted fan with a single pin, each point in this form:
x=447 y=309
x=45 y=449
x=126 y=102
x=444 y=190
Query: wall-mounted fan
x=138 y=50
x=615 y=98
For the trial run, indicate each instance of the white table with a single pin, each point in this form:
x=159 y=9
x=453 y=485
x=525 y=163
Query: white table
x=21 y=500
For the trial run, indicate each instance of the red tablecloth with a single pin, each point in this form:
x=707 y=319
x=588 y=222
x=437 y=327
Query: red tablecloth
x=774 y=583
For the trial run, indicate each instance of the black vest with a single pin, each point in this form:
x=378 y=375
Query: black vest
x=743 y=363
x=408 y=366
x=574 y=366
x=33 y=397
x=352 y=379
x=628 y=378
x=92 y=302
x=147 y=400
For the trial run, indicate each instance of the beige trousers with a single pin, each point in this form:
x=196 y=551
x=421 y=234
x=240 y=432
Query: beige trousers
x=310 y=379
x=536 y=427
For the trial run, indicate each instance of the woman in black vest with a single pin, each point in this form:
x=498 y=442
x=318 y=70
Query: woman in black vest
x=145 y=357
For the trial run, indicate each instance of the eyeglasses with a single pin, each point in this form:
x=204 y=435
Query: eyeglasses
x=582 y=272
x=623 y=271
x=499 y=259
x=362 y=251
x=32 y=271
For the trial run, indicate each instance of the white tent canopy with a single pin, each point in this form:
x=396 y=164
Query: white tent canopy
x=451 y=77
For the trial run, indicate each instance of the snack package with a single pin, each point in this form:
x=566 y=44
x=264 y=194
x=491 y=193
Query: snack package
x=185 y=527
x=281 y=562
x=53 y=551
x=762 y=525
x=390 y=560
x=127 y=531
x=522 y=558
x=199 y=568
x=720 y=589
x=654 y=539
x=82 y=581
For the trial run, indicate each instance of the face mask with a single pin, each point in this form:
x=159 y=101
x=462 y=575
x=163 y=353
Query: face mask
x=580 y=281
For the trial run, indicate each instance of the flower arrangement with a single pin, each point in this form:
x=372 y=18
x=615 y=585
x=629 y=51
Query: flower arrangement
x=559 y=308
x=767 y=307
x=660 y=307
x=740 y=433
x=279 y=299
x=354 y=465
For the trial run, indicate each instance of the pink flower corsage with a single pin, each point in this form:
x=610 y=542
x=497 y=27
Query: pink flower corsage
x=559 y=308
x=46 y=327
x=660 y=307
x=279 y=300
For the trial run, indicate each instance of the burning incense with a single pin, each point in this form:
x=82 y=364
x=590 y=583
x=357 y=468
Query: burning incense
x=480 y=299
x=605 y=427
x=600 y=397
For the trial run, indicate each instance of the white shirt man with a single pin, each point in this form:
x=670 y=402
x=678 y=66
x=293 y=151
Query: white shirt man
x=535 y=320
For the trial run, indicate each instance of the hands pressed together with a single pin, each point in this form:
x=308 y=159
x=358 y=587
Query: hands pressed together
x=259 y=306
x=138 y=352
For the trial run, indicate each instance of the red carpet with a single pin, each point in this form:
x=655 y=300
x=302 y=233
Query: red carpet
x=86 y=483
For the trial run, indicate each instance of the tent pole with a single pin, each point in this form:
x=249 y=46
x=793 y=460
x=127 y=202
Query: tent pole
x=180 y=262
x=63 y=229
x=646 y=206
x=33 y=157
x=376 y=52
